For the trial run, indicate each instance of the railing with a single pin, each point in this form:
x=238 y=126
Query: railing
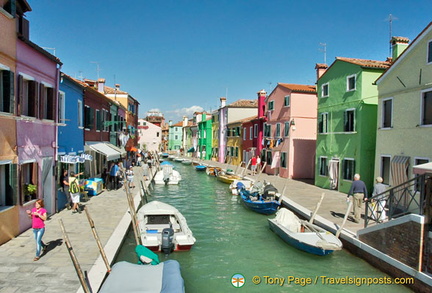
x=406 y=198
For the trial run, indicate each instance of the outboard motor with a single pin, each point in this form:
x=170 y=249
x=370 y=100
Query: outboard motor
x=269 y=192
x=167 y=240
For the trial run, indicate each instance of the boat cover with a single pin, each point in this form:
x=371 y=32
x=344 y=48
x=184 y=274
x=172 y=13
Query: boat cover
x=126 y=277
x=289 y=220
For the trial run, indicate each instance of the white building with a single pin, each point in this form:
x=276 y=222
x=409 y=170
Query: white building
x=149 y=136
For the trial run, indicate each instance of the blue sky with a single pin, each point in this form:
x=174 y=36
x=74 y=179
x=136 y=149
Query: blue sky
x=181 y=56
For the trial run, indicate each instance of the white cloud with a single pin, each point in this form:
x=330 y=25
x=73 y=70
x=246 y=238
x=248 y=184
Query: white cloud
x=188 y=112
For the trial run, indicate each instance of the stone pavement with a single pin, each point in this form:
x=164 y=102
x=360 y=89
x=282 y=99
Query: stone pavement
x=54 y=272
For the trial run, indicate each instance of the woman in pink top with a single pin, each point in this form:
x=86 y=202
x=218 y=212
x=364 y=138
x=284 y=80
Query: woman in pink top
x=38 y=215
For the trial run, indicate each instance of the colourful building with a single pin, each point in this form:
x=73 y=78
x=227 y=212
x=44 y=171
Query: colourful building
x=347 y=116
x=175 y=136
x=149 y=136
x=405 y=110
x=205 y=136
x=290 y=131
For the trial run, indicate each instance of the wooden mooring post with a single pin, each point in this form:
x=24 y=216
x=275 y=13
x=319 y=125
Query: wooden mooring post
x=83 y=279
x=133 y=215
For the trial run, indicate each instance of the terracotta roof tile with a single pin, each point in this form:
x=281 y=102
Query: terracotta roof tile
x=300 y=88
x=366 y=63
x=244 y=104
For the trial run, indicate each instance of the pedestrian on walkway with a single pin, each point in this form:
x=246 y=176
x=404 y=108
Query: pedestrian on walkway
x=64 y=183
x=359 y=193
x=113 y=175
x=146 y=172
x=253 y=165
x=381 y=201
x=38 y=215
x=75 y=191
x=130 y=177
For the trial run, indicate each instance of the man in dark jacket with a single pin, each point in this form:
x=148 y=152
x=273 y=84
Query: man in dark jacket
x=359 y=193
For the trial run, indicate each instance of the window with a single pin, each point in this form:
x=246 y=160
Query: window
x=325 y=90
x=105 y=120
x=351 y=83
x=131 y=108
x=29 y=179
x=250 y=132
x=385 y=169
x=429 y=52
x=47 y=101
x=278 y=129
x=267 y=130
x=244 y=133
x=10 y=7
x=80 y=114
x=323 y=123
x=426 y=108
x=256 y=130
x=287 y=101
x=323 y=168
x=349 y=120
x=236 y=152
x=231 y=152
x=271 y=105
x=98 y=120
x=419 y=161
x=387 y=113
x=269 y=158
x=62 y=107
x=88 y=117
x=28 y=96
x=6 y=91
x=8 y=184
x=286 y=128
x=283 y=160
x=348 y=169
x=176 y=137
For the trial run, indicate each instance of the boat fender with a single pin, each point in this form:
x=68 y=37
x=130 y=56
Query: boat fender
x=167 y=240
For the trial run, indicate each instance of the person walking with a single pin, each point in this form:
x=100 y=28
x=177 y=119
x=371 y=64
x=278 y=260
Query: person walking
x=253 y=165
x=130 y=177
x=64 y=182
x=113 y=175
x=358 y=191
x=38 y=214
x=75 y=192
x=381 y=201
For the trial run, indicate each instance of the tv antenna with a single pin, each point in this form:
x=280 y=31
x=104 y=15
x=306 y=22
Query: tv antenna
x=53 y=49
x=97 y=67
x=390 y=19
x=324 y=50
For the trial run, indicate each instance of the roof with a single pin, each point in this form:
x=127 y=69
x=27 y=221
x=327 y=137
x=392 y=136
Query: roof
x=244 y=104
x=366 y=63
x=408 y=49
x=110 y=90
x=299 y=88
x=178 y=124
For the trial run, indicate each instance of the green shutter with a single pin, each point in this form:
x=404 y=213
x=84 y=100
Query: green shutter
x=12 y=192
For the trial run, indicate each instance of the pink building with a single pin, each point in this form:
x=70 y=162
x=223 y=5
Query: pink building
x=290 y=131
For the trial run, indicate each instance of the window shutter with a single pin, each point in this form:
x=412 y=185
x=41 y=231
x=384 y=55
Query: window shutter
x=10 y=7
x=20 y=94
x=12 y=199
x=42 y=100
x=9 y=96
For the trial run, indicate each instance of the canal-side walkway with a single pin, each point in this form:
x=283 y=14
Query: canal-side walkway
x=54 y=272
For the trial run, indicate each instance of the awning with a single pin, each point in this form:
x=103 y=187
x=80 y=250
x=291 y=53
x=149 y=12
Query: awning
x=121 y=150
x=423 y=168
x=191 y=150
x=104 y=149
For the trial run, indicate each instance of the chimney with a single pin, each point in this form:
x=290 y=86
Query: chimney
x=223 y=102
x=262 y=94
x=399 y=44
x=320 y=69
x=101 y=85
x=185 y=121
x=170 y=123
x=117 y=86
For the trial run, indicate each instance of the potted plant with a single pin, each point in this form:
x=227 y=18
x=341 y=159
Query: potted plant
x=29 y=191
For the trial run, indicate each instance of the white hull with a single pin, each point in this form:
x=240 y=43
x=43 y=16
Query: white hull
x=167 y=175
x=233 y=186
x=156 y=216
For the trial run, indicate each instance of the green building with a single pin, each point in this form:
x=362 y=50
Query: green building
x=205 y=136
x=347 y=122
x=175 y=136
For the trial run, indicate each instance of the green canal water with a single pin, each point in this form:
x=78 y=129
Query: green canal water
x=233 y=240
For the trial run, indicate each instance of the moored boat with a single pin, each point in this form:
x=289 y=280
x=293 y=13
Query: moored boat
x=167 y=174
x=200 y=167
x=213 y=171
x=164 y=155
x=163 y=228
x=227 y=178
x=265 y=203
x=237 y=183
x=302 y=234
x=186 y=162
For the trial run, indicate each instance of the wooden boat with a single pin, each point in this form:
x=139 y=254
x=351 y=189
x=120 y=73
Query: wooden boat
x=178 y=159
x=227 y=178
x=187 y=162
x=167 y=174
x=159 y=222
x=213 y=171
x=302 y=234
x=128 y=277
x=164 y=155
x=171 y=157
x=254 y=201
x=200 y=167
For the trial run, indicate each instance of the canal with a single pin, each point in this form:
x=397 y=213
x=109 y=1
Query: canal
x=233 y=240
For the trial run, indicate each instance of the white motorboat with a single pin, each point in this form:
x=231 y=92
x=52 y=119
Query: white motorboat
x=234 y=185
x=163 y=228
x=167 y=174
